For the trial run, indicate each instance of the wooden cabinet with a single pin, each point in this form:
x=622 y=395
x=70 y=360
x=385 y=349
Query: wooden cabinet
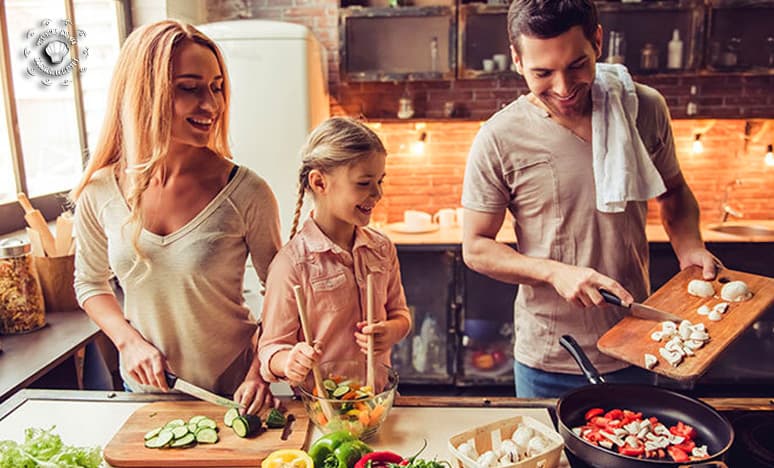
x=452 y=39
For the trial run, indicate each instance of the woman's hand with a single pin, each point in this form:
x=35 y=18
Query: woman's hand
x=253 y=394
x=580 y=285
x=144 y=363
x=299 y=361
x=386 y=333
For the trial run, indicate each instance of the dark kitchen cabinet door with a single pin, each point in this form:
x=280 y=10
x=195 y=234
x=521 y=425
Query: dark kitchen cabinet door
x=427 y=354
x=486 y=330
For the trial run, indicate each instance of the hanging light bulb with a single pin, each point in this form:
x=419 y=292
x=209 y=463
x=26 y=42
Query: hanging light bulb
x=697 y=146
x=769 y=158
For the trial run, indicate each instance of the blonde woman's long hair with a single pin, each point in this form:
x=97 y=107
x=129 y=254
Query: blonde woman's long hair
x=339 y=141
x=137 y=128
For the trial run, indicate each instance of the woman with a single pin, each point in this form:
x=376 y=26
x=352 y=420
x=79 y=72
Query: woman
x=162 y=206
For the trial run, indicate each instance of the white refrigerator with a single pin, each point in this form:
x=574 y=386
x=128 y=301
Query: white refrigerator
x=278 y=94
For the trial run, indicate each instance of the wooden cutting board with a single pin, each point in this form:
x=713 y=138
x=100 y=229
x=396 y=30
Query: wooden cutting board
x=629 y=339
x=127 y=447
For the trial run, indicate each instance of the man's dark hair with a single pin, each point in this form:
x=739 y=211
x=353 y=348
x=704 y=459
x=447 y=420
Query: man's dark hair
x=545 y=19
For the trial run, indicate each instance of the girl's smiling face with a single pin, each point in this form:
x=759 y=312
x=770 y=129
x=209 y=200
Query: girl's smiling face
x=351 y=192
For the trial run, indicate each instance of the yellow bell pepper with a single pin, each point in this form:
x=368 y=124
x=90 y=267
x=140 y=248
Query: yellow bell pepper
x=288 y=458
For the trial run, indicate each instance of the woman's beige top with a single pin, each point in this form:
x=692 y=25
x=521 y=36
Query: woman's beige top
x=188 y=301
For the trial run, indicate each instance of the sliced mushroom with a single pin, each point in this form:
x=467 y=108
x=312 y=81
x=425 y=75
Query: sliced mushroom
x=703 y=310
x=650 y=361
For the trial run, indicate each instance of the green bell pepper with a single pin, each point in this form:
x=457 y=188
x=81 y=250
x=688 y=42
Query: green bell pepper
x=338 y=449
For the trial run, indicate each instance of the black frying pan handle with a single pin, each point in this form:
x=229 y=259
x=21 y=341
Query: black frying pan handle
x=611 y=298
x=706 y=464
x=572 y=347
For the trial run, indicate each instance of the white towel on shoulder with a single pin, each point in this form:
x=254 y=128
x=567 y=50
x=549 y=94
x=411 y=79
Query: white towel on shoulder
x=623 y=170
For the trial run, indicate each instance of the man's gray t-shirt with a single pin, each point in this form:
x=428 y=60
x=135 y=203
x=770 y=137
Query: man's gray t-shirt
x=525 y=162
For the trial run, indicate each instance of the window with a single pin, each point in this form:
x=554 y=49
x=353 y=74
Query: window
x=58 y=117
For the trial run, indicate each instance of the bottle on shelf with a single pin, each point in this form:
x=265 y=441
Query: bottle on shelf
x=692 y=108
x=616 y=47
x=675 y=51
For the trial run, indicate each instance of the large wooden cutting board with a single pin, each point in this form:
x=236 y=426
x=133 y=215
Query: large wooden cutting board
x=127 y=447
x=629 y=339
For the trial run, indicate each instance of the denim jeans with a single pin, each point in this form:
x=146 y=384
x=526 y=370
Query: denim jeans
x=535 y=383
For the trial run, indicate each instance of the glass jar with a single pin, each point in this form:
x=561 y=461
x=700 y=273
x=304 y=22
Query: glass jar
x=21 y=298
x=649 y=58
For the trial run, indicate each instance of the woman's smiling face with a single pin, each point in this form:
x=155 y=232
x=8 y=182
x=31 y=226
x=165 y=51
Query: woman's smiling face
x=197 y=81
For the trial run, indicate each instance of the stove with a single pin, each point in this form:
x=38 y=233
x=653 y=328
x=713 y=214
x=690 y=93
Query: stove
x=753 y=445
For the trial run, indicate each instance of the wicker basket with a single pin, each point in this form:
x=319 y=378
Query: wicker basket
x=490 y=437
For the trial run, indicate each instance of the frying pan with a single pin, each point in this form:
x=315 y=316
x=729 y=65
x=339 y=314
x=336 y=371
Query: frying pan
x=668 y=406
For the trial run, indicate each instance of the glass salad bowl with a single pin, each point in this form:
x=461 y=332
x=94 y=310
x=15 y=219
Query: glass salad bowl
x=348 y=404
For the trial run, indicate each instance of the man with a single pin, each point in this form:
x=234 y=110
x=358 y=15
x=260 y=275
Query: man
x=535 y=158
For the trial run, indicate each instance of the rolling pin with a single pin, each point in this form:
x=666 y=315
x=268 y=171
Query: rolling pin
x=36 y=221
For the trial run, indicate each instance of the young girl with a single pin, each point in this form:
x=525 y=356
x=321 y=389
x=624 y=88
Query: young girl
x=330 y=257
x=163 y=208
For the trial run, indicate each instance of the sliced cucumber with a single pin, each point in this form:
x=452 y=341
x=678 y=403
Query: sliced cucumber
x=206 y=435
x=207 y=422
x=192 y=427
x=240 y=426
x=341 y=390
x=160 y=440
x=329 y=385
x=175 y=423
x=230 y=415
x=153 y=433
x=196 y=419
x=187 y=439
x=179 y=432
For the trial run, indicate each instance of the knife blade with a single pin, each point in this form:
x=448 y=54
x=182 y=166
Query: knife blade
x=186 y=387
x=640 y=310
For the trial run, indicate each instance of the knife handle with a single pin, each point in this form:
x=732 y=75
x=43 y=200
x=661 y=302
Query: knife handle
x=611 y=298
x=171 y=378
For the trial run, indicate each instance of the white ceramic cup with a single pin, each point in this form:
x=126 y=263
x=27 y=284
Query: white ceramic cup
x=488 y=65
x=460 y=212
x=416 y=219
x=501 y=60
x=445 y=217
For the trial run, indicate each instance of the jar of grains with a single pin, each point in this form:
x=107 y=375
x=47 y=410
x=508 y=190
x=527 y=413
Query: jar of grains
x=21 y=298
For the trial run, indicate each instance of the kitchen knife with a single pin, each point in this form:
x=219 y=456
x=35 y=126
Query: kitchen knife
x=640 y=310
x=181 y=385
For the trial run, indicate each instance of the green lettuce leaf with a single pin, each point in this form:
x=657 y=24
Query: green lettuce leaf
x=44 y=449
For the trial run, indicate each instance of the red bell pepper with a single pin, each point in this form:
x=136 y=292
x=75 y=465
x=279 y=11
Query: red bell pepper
x=683 y=430
x=678 y=454
x=378 y=459
x=593 y=412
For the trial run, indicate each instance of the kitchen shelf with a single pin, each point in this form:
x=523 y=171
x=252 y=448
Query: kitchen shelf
x=398 y=34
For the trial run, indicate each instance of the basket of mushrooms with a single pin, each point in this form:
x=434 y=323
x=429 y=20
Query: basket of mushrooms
x=517 y=442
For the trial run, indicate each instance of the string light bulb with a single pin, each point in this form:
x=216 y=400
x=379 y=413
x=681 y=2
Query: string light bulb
x=697 y=147
x=418 y=145
x=769 y=158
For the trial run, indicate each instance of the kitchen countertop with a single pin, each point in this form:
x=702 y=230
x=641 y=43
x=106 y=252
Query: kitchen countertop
x=25 y=358
x=442 y=416
x=654 y=233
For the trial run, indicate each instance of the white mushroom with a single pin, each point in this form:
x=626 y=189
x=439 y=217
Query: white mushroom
x=700 y=288
x=468 y=449
x=672 y=358
x=536 y=445
x=721 y=307
x=668 y=328
x=694 y=344
x=703 y=310
x=688 y=351
x=656 y=336
x=684 y=329
x=700 y=451
x=487 y=459
x=650 y=361
x=714 y=316
x=521 y=436
x=735 y=291
x=699 y=336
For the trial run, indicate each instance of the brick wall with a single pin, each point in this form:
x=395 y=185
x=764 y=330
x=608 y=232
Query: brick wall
x=433 y=180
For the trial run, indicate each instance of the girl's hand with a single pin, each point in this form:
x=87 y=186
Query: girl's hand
x=385 y=334
x=299 y=362
x=254 y=394
x=145 y=364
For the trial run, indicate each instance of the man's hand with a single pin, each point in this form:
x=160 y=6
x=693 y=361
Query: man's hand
x=703 y=258
x=580 y=285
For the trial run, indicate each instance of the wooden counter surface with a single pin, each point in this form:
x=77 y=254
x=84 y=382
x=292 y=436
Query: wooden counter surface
x=25 y=358
x=654 y=233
